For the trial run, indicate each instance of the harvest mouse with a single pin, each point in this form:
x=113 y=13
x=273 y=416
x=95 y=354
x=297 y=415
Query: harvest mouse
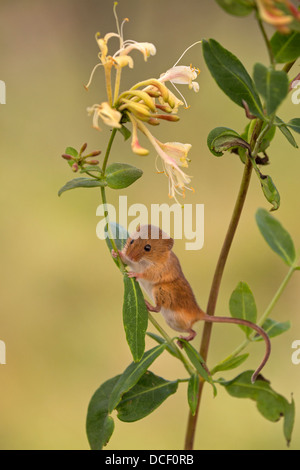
x=148 y=253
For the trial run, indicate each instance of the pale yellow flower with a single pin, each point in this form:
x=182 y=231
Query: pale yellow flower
x=111 y=117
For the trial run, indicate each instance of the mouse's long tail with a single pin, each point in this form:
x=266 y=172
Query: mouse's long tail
x=260 y=331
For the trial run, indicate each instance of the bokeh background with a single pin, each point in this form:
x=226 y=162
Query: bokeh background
x=61 y=295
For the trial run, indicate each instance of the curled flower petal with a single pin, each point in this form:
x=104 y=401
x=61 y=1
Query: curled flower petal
x=146 y=48
x=111 y=117
x=123 y=61
x=177 y=151
x=180 y=74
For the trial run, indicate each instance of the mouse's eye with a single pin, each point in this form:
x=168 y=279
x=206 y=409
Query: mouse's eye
x=131 y=242
x=147 y=247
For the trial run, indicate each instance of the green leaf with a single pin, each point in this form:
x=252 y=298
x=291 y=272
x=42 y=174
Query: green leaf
x=289 y=421
x=91 y=168
x=273 y=328
x=221 y=139
x=285 y=47
x=99 y=425
x=121 y=175
x=126 y=133
x=131 y=376
x=147 y=395
x=230 y=364
x=270 y=404
x=276 y=236
x=120 y=235
x=285 y=131
x=294 y=124
x=82 y=183
x=272 y=84
x=242 y=305
x=231 y=76
x=170 y=348
x=267 y=139
x=198 y=362
x=270 y=191
x=236 y=7
x=193 y=388
x=135 y=317
x=71 y=151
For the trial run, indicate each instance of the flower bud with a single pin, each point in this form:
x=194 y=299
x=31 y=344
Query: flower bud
x=83 y=148
x=67 y=157
x=92 y=162
x=95 y=153
x=75 y=167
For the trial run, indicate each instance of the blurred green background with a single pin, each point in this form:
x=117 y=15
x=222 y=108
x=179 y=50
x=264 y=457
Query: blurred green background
x=61 y=295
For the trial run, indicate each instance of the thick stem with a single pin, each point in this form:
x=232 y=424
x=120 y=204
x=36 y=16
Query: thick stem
x=211 y=307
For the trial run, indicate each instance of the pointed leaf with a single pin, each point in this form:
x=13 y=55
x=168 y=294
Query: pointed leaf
x=99 y=425
x=193 y=388
x=230 y=364
x=242 y=305
x=231 y=76
x=285 y=131
x=135 y=317
x=269 y=403
x=198 y=362
x=147 y=395
x=294 y=124
x=272 y=84
x=276 y=236
x=131 y=376
x=82 y=183
x=121 y=175
x=273 y=328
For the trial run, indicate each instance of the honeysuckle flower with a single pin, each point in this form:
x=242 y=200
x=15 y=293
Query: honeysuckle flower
x=278 y=13
x=173 y=155
x=111 y=117
x=182 y=75
x=146 y=48
x=146 y=103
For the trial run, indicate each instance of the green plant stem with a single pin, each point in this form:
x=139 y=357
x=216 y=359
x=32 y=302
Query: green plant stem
x=265 y=315
x=287 y=67
x=192 y=420
x=266 y=39
x=169 y=340
x=107 y=153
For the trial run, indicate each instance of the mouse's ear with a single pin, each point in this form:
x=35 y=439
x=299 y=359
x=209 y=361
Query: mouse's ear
x=170 y=243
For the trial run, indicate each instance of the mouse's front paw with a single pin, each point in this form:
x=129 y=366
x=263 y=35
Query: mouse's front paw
x=114 y=254
x=132 y=274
